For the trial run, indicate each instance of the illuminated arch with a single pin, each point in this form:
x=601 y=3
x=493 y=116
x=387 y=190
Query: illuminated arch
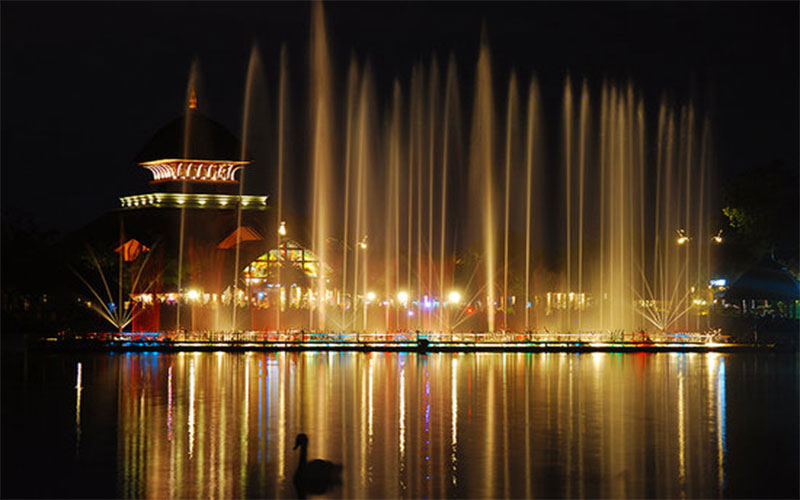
x=289 y=253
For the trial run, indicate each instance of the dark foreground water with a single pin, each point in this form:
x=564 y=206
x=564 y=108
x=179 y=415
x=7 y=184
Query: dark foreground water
x=403 y=425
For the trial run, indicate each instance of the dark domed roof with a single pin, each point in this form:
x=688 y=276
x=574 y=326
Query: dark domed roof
x=767 y=281
x=208 y=140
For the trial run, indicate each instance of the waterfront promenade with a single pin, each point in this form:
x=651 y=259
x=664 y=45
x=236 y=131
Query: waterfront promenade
x=402 y=341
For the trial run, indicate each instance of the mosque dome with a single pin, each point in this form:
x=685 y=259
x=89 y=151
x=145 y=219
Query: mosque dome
x=207 y=140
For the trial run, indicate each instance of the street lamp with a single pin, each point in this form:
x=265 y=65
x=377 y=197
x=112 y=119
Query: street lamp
x=682 y=238
x=717 y=238
x=281 y=234
x=402 y=297
x=363 y=246
x=454 y=297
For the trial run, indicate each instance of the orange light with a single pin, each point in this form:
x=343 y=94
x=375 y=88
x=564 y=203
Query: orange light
x=192 y=99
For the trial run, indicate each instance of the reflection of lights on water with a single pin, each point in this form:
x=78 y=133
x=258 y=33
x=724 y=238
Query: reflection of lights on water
x=78 y=390
x=281 y=414
x=427 y=424
x=260 y=408
x=722 y=445
x=454 y=413
x=370 y=412
x=402 y=425
x=681 y=424
x=169 y=403
x=191 y=407
x=244 y=428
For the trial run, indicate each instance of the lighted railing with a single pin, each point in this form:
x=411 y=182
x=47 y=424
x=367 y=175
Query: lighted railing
x=406 y=338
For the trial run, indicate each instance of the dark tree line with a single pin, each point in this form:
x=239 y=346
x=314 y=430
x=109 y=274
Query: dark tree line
x=761 y=208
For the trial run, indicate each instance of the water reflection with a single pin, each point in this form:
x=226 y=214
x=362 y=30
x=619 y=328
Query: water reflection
x=486 y=425
x=78 y=390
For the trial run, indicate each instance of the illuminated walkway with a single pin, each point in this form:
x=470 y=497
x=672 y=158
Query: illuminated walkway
x=433 y=342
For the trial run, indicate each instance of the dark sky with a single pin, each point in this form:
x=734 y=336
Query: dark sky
x=84 y=86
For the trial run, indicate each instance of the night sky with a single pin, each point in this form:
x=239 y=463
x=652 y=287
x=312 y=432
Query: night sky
x=84 y=86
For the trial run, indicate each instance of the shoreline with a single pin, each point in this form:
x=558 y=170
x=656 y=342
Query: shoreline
x=418 y=347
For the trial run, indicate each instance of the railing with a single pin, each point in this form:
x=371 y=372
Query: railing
x=311 y=337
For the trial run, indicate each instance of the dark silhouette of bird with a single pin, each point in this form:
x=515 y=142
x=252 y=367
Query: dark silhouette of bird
x=314 y=477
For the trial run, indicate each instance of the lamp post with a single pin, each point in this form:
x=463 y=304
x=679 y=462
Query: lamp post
x=370 y=297
x=683 y=240
x=362 y=245
x=716 y=239
x=402 y=297
x=281 y=234
x=454 y=297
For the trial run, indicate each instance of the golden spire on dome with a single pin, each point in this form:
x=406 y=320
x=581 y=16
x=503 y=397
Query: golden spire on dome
x=192 y=99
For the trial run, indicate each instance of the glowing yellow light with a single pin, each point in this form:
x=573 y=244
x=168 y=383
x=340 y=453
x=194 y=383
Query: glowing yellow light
x=717 y=238
x=402 y=297
x=193 y=295
x=282 y=228
x=682 y=238
x=193 y=100
x=370 y=296
x=363 y=243
x=454 y=297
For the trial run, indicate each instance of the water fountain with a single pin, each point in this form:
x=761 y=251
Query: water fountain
x=431 y=224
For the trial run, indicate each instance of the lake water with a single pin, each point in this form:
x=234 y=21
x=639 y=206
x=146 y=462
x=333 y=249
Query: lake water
x=191 y=425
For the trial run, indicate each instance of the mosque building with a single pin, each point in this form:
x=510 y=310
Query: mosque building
x=178 y=241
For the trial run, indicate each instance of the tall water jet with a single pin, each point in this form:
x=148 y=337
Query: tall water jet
x=531 y=144
x=705 y=206
x=603 y=153
x=510 y=129
x=283 y=101
x=643 y=215
x=451 y=109
x=191 y=99
x=321 y=145
x=352 y=92
x=418 y=105
x=364 y=160
x=253 y=70
x=568 y=119
x=482 y=158
x=392 y=227
x=433 y=92
x=583 y=131
x=415 y=153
